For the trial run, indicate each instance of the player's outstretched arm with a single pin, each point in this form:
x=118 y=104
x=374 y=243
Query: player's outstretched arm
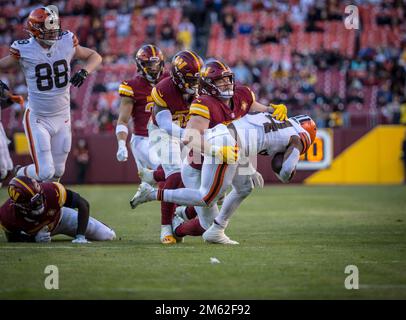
x=92 y=60
x=75 y=201
x=279 y=111
x=164 y=120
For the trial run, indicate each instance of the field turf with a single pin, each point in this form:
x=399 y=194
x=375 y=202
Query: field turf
x=295 y=242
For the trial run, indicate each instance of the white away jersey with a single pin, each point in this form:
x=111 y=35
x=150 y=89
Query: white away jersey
x=47 y=73
x=260 y=133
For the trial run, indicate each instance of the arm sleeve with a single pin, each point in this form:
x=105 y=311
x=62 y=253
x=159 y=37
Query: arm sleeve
x=289 y=165
x=72 y=199
x=200 y=110
x=164 y=121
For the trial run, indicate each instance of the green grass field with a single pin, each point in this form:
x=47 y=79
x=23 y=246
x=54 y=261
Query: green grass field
x=295 y=242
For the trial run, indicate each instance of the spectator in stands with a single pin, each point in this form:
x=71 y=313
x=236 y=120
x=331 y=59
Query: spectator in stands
x=82 y=159
x=333 y=10
x=167 y=35
x=98 y=33
x=242 y=72
x=391 y=111
x=285 y=29
x=186 y=33
x=123 y=24
x=151 y=30
x=228 y=22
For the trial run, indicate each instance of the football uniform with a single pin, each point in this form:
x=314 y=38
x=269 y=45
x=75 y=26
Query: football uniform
x=270 y=137
x=167 y=95
x=58 y=219
x=139 y=90
x=216 y=112
x=47 y=120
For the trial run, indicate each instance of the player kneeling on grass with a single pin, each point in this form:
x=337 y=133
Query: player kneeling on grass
x=37 y=211
x=256 y=133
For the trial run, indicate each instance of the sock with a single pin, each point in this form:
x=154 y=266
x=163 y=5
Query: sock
x=28 y=171
x=231 y=202
x=159 y=174
x=168 y=208
x=190 y=212
x=190 y=228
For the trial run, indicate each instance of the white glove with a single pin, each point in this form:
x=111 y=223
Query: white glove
x=80 y=238
x=257 y=180
x=43 y=235
x=122 y=153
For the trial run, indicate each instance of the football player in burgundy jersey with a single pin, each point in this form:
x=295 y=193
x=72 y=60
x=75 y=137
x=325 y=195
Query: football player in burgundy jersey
x=136 y=103
x=220 y=101
x=36 y=211
x=172 y=97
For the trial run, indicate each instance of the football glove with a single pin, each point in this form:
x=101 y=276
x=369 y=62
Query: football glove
x=226 y=154
x=280 y=112
x=43 y=235
x=79 y=77
x=80 y=238
x=257 y=180
x=122 y=153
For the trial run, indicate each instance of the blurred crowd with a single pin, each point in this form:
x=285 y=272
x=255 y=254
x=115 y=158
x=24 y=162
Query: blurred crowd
x=294 y=81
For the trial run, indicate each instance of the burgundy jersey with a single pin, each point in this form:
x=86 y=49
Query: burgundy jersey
x=139 y=90
x=13 y=221
x=167 y=95
x=218 y=112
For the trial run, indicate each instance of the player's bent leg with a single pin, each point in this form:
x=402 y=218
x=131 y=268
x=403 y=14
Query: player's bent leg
x=61 y=144
x=96 y=230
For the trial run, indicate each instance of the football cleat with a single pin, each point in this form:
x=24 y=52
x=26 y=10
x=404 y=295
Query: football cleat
x=166 y=235
x=176 y=222
x=215 y=234
x=147 y=175
x=180 y=211
x=142 y=195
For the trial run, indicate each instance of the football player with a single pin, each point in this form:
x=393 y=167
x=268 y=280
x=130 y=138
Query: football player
x=36 y=211
x=257 y=133
x=45 y=59
x=172 y=97
x=136 y=102
x=220 y=102
x=6 y=100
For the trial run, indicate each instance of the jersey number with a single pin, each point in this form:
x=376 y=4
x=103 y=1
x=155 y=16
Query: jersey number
x=43 y=72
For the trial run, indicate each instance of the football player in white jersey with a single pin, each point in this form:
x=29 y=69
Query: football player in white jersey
x=253 y=134
x=6 y=100
x=45 y=60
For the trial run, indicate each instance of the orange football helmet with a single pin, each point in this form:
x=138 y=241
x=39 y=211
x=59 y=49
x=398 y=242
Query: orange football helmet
x=150 y=62
x=309 y=125
x=44 y=25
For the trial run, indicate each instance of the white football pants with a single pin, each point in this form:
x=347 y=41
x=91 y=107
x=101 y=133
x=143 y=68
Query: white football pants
x=6 y=164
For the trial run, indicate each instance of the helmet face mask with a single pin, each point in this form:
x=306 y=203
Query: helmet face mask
x=27 y=196
x=150 y=62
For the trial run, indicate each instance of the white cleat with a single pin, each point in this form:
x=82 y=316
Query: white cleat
x=176 y=222
x=166 y=235
x=181 y=212
x=142 y=195
x=215 y=234
x=147 y=175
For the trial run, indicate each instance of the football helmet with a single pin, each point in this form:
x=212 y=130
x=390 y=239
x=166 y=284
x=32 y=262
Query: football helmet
x=185 y=71
x=44 y=25
x=211 y=73
x=308 y=124
x=150 y=62
x=27 y=196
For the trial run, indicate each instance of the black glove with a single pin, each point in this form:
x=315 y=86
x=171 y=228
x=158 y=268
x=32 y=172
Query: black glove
x=79 y=77
x=3 y=89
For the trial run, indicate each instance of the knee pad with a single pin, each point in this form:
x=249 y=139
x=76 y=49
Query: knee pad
x=244 y=191
x=59 y=171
